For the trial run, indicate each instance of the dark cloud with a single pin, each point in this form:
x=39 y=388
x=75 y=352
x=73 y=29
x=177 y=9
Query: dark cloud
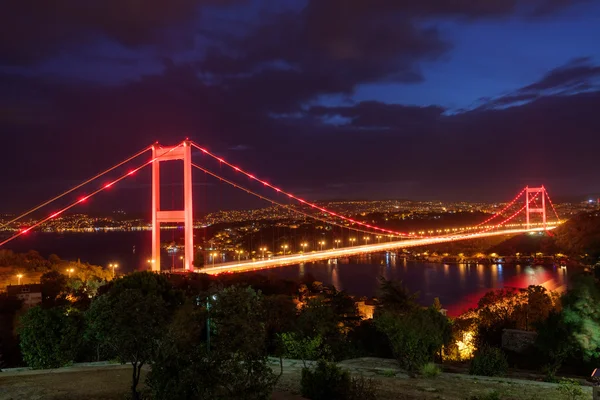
x=577 y=76
x=33 y=30
x=373 y=114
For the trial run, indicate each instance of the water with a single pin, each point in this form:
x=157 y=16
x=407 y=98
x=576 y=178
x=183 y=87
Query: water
x=458 y=286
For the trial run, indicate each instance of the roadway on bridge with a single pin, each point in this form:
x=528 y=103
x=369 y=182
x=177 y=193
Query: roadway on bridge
x=278 y=261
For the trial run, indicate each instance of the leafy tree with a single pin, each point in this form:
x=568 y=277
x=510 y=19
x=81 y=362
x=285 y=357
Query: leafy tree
x=233 y=366
x=131 y=323
x=553 y=343
x=326 y=381
x=53 y=285
x=415 y=337
x=581 y=313
x=49 y=338
x=280 y=317
x=394 y=296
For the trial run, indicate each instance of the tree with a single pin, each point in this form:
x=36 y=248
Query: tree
x=581 y=313
x=49 y=338
x=232 y=366
x=415 y=337
x=53 y=284
x=131 y=323
x=394 y=296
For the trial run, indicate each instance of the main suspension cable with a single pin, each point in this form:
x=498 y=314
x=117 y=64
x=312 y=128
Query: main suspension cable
x=286 y=206
x=83 y=199
x=76 y=187
x=302 y=201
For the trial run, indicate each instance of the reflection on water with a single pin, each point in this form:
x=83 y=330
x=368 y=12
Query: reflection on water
x=458 y=286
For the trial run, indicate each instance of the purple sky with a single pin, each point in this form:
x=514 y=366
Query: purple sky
x=327 y=98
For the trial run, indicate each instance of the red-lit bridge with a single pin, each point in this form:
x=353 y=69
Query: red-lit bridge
x=503 y=222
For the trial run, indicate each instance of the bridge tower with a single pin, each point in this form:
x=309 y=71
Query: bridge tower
x=170 y=153
x=530 y=194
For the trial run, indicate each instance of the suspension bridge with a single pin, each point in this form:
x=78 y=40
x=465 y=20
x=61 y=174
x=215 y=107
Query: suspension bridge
x=530 y=202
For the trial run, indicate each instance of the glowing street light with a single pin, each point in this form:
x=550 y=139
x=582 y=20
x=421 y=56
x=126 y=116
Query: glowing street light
x=337 y=243
x=378 y=238
x=214 y=255
x=182 y=262
x=263 y=249
x=352 y=240
x=70 y=271
x=19 y=276
x=304 y=245
x=322 y=243
x=366 y=238
x=284 y=247
x=113 y=266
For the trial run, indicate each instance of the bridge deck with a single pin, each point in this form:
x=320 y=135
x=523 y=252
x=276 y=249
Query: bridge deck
x=278 y=261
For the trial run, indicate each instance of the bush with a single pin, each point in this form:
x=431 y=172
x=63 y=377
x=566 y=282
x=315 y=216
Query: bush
x=430 y=370
x=326 y=381
x=493 y=395
x=415 y=337
x=489 y=361
x=362 y=388
x=570 y=388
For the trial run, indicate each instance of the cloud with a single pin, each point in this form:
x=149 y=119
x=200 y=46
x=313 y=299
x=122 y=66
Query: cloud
x=579 y=75
x=32 y=30
x=374 y=114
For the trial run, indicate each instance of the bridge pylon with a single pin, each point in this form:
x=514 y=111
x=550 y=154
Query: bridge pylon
x=171 y=153
x=530 y=194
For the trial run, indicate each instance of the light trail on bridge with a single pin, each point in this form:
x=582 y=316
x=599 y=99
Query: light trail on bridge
x=279 y=261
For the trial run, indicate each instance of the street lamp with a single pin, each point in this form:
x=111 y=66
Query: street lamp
x=352 y=240
x=19 y=276
x=113 y=266
x=378 y=238
x=213 y=255
x=321 y=243
x=366 y=239
x=284 y=247
x=70 y=271
x=182 y=262
x=304 y=246
x=262 y=250
x=337 y=243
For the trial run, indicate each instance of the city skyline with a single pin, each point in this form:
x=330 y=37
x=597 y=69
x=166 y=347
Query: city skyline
x=327 y=99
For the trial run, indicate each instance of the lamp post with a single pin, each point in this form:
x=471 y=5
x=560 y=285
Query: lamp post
x=352 y=240
x=337 y=243
x=284 y=247
x=262 y=250
x=70 y=271
x=303 y=245
x=366 y=238
x=113 y=266
x=213 y=255
x=321 y=244
x=19 y=276
x=378 y=238
x=182 y=262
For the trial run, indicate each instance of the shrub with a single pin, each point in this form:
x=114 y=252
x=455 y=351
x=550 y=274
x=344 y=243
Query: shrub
x=415 y=337
x=493 y=395
x=489 y=361
x=570 y=388
x=362 y=388
x=430 y=370
x=326 y=381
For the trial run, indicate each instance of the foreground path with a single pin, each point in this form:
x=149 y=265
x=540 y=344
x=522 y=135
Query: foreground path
x=109 y=381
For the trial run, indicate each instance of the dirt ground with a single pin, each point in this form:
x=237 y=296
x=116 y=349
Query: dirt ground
x=113 y=383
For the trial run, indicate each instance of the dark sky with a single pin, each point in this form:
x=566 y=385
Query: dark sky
x=430 y=99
